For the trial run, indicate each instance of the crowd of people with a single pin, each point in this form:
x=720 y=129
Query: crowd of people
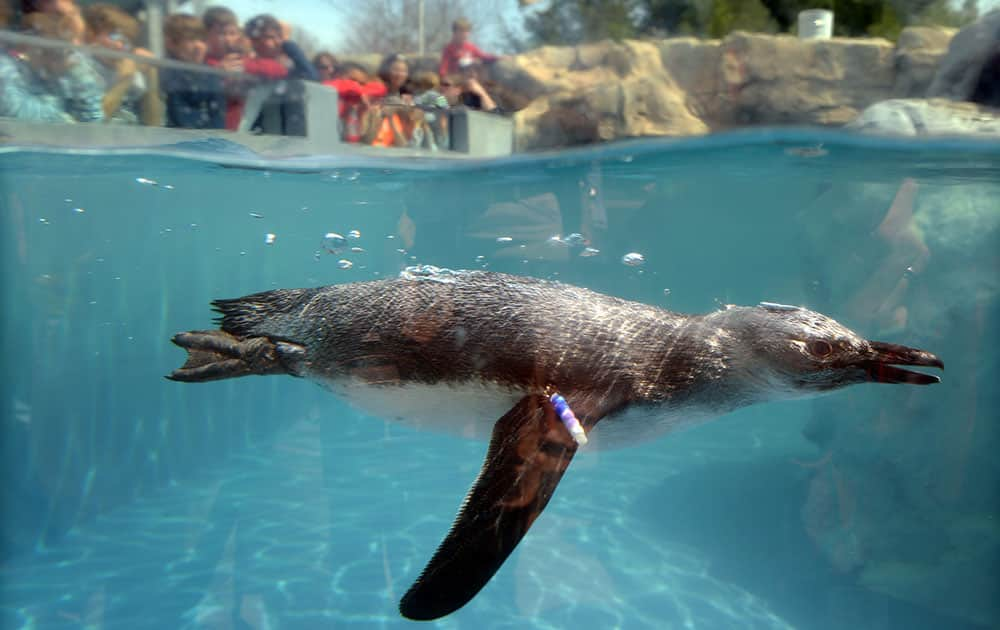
x=65 y=84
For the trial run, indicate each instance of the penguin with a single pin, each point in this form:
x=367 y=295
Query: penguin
x=535 y=366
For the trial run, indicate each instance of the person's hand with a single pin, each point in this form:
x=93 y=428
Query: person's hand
x=286 y=30
x=142 y=52
x=125 y=68
x=232 y=62
x=472 y=85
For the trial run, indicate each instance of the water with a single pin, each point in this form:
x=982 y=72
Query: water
x=133 y=502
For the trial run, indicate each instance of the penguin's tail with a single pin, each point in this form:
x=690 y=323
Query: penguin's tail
x=216 y=354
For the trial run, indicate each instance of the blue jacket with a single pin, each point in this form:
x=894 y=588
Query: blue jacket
x=302 y=68
x=28 y=94
x=194 y=100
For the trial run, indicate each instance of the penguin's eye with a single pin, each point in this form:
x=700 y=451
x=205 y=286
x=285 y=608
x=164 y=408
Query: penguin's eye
x=820 y=348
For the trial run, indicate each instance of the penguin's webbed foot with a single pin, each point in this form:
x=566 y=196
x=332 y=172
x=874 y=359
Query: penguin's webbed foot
x=215 y=354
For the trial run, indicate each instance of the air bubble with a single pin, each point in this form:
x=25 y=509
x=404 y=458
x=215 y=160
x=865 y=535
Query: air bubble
x=145 y=182
x=634 y=259
x=269 y=238
x=358 y=250
x=589 y=251
x=429 y=272
x=666 y=292
x=343 y=263
x=575 y=240
x=504 y=239
x=78 y=210
x=256 y=215
x=814 y=151
x=354 y=234
x=334 y=243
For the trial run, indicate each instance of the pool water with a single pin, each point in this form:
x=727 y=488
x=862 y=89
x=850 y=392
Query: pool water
x=130 y=501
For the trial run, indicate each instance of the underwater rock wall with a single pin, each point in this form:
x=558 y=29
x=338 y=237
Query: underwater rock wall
x=903 y=495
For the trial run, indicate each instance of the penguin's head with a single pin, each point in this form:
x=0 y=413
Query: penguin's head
x=804 y=352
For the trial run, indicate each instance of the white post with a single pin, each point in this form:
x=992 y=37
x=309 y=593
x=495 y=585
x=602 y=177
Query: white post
x=420 y=27
x=154 y=27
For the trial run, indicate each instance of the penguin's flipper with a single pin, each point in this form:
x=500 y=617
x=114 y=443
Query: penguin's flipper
x=215 y=354
x=529 y=451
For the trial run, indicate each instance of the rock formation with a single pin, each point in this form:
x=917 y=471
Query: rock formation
x=568 y=95
x=685 y=86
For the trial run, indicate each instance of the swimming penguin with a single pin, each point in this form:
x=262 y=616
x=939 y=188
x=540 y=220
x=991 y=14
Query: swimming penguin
x=538 y=366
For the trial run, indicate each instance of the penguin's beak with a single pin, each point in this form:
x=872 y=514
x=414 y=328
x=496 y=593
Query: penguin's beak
x=881 y=367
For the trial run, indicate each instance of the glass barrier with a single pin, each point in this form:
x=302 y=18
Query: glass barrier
x=47 y=80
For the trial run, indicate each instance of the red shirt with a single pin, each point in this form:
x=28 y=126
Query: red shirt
x=350 y=91
x=453 y=52
x=257 y=66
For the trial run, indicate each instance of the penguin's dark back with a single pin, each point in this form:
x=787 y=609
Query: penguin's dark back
x=511 y=330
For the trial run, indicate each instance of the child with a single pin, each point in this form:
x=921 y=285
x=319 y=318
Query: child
x=50 y=85
x=60 y=8
x=426 y=86
x=131 y=91
x=224 y=39
x=474 y=95
x=270 y=40
x=271 y=44
x=428 y=97
x=355 y=93
x=195 y=100
x=460 y=49
x=326 y=65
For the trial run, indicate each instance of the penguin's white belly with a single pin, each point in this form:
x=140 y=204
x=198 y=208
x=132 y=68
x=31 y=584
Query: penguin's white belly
x=468 y=410
x=471 y=410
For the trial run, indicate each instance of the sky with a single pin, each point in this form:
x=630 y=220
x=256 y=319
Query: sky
x=328 y=24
